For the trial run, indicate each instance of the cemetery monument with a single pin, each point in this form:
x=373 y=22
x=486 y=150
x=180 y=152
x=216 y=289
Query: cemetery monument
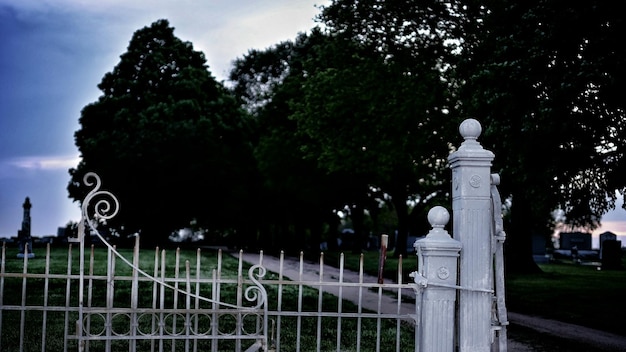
x=25 y=242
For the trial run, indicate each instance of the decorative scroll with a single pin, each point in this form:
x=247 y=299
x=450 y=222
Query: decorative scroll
x=105 y=205
x=256 y=292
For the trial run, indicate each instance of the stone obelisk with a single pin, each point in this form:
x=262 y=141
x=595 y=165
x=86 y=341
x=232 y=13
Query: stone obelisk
x=25 y=242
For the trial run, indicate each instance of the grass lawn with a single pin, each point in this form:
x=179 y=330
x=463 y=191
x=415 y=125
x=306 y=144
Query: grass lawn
x=577 y=294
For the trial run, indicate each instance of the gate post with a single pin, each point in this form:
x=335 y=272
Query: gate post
x=437 y=257
x=472 y=221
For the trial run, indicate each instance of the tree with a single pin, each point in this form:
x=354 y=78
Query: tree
x=544 y=79
x=298 y=196
x=375 y=102
x=166 y=138
x=350 y=121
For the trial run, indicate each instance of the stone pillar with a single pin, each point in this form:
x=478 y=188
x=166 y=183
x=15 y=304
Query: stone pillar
x=437 y=255
x=471 y=207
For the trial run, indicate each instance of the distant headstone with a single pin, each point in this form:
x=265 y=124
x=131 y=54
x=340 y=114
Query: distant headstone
x=606 y=236
x=24 y=240
x=580 y=240
x=612 y=255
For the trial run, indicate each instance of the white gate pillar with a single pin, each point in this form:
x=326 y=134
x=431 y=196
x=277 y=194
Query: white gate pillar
x=438 y=258
x=472 y=221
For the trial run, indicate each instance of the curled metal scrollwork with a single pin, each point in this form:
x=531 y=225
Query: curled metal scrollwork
x=105 y=207
x=256 y=292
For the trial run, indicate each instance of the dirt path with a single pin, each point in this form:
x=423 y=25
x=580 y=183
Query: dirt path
x=598 y=340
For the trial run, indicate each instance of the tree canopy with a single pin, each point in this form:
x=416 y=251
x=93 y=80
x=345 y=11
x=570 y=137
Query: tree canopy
x=297 y=195
x=544 y=79
x=364 y=123
x=167 y=138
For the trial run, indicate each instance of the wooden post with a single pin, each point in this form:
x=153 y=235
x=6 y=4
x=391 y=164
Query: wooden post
x=382 y=258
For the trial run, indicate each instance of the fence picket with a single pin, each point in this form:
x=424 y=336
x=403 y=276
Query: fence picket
x=155 y=287
x=175 y=297
x=399 y=298
x=68 y=283
x=110 y=294
x=320 y=296
x=215 y=292
x=162 y=304
x=279 y=308
x=240 y=295
x=23 y=311
x=45 y=299
x=90 y=292
x=187 y=304
x=134 y=298
x=299 y=315
x=197 y=298
x=340 y=301
x=360 y=304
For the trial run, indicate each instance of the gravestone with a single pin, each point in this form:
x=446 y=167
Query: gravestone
x=606 y=236
x=24 y=241
x=580 y=240
x=612 y=255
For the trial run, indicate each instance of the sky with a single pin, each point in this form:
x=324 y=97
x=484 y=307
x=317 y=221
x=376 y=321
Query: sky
x=53 y=54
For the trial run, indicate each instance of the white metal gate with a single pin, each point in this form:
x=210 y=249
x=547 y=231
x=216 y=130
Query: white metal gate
x=178 y=311
x=190 y=316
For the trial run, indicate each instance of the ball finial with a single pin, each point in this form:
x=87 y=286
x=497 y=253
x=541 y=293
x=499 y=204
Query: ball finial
x=438 y=217
x=470 y=129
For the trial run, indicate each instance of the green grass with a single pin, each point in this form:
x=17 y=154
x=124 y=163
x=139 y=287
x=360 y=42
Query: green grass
x=576 y=294
x=56 y=297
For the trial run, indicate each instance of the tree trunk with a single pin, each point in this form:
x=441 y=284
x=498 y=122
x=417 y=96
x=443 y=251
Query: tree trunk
x=518 y=246
x=402 y=211
x=358 y=225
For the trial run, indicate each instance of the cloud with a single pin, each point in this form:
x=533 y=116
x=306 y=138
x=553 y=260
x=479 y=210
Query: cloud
x=19 y=165
x=46 y=163
x=616 y=226
x=222 y=29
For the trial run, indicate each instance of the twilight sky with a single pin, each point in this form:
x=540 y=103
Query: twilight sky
x=53 y=53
